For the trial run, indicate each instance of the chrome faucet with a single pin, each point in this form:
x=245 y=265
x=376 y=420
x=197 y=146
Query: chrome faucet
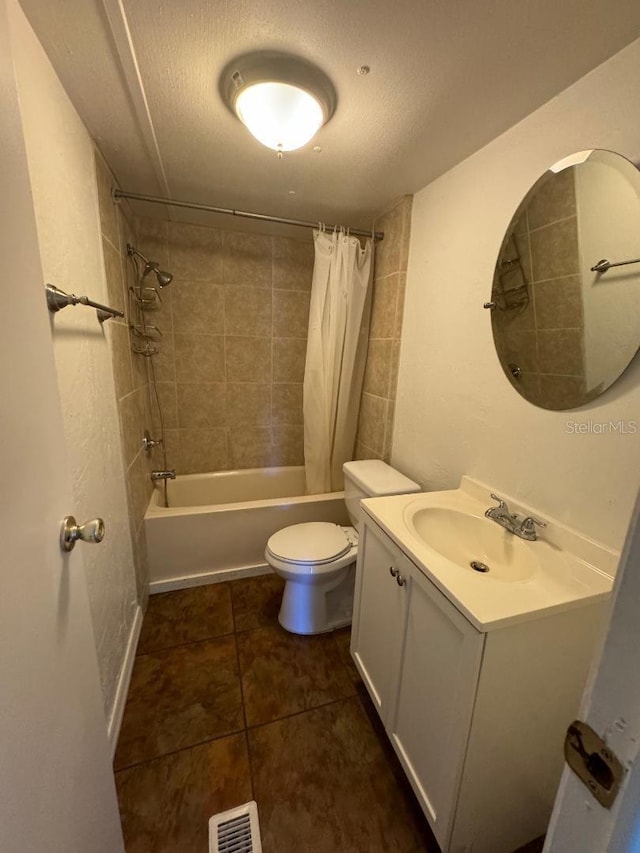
x=524 y=528
x=163 y=475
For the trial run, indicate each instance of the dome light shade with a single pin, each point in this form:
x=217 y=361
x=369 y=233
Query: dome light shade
x=282 y=100
x=281 y=116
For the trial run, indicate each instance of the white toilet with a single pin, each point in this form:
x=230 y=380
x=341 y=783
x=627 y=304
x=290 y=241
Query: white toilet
x=318 y=559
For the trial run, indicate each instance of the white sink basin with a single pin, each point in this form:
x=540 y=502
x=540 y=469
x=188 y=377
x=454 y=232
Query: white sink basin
x=444 y=532
x=475 y=544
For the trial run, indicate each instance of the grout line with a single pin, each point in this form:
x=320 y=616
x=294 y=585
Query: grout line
x=176 y=751
x=305 y=710
x=185 y=643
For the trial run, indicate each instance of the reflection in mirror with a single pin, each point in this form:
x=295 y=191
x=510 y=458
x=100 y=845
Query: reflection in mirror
x=563 y=331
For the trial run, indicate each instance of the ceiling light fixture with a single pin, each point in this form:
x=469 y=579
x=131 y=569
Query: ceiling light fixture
x=282 y=100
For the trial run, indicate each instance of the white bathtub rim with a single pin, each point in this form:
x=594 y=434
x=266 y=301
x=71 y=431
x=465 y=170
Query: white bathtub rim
x=155 y=511
x=206 y=578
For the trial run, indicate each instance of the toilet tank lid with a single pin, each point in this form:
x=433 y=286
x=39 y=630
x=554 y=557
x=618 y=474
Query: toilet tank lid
x=375 y=477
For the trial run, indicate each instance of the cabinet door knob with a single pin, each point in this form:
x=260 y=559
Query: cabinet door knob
x=393 y=572
x=400 y=580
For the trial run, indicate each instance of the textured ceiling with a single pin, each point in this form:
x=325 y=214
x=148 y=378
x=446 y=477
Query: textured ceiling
x=446 y=78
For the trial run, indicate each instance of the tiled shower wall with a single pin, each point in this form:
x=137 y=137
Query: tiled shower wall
x=234 y=328
x=130 y=371
x=545 y=337
x=375 y=424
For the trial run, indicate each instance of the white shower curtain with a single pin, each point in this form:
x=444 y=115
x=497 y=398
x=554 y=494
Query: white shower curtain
x=336 y=355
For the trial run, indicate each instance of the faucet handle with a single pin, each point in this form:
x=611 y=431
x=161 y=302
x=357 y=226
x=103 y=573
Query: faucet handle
x=501 y=504
x=529 y=521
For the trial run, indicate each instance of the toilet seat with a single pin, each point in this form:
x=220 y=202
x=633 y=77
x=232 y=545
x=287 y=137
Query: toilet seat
x=313 y=548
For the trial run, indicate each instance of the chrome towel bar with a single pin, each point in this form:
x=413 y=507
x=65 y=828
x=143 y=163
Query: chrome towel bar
x=57 y=300
x=604 y=264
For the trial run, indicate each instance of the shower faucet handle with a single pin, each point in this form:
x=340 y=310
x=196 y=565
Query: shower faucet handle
x=149 y=443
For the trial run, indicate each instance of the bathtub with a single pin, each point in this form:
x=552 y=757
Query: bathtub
x=217 y=525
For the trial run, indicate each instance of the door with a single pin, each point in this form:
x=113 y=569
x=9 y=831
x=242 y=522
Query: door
x=378 y=619
x=435 y=691
x=611 y=706
x=56 y=786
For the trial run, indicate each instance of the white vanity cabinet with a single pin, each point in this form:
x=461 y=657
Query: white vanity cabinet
x=477 y=719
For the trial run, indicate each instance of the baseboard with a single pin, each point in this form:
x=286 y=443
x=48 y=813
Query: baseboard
x=113 y=729
x=218 y=576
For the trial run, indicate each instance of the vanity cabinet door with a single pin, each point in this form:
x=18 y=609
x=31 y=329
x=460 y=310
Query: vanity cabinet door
x=435 y=692
x=378 y=617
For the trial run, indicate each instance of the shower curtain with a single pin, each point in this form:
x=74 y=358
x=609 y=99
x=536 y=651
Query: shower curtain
x=336 y=354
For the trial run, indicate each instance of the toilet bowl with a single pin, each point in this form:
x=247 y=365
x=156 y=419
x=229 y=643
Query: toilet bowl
x=317 y=559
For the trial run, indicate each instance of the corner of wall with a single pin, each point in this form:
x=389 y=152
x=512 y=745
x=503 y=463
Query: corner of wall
x=377 y=404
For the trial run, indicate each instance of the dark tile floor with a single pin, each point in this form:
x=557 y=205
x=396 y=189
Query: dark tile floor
x=225 y=706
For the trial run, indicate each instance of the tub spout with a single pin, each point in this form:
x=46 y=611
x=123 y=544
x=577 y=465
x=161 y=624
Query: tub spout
x=163 y=475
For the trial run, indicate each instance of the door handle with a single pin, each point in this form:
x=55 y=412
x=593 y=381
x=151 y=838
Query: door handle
x=71 y=532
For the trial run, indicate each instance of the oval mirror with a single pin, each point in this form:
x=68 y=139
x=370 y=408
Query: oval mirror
x=566 y=288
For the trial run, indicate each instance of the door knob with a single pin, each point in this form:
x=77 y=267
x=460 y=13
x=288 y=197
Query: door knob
x=90 y=531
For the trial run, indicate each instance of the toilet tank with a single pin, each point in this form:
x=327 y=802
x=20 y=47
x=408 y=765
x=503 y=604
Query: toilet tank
x=370 y=478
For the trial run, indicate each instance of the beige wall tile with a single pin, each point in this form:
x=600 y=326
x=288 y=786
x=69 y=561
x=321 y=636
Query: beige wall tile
x=388 y=433
x=202 y=450
x=290 y=314
x=202 y=405
x=195 y=252
x=363 y=452
x=383 y=307
x=289 y=356
x=114 y=276
x=554 y=250
x=292 y=264
x=561 y=351
x=392 y=253
x=248 y=404
x=247 y=311
x=199 y=358
x=139 y=488
x=118 y=336
x=402 y=280
x=519 y=347
x=287 y=445
x=133 y=421
x=556 y=199
x=248 y=359
x=248 y=259
x=373 y=415
x=394 y=363
x=287 y=404
x=108 y=210
x=376 y=377
x=561 y=392
x=141 y=563
x=250 y=447
x=168 y=405
x=558 y=303
x=197 y=307
x=152 y=239
x=171 y=449
x=163 y=361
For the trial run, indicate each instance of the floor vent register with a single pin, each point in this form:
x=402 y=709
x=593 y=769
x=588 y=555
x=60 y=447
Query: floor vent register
x=235 y=831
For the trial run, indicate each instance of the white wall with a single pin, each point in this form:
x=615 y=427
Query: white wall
x=456 y=411
x=61 y=167
x=608 y=227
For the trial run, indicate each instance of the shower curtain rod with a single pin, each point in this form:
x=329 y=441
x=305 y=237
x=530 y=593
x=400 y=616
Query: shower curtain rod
x=377 y=235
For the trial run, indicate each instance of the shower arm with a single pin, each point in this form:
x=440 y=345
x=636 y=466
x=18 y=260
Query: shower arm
x=57 y=300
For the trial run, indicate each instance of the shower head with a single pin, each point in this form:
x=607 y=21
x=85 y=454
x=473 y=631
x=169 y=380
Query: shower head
x=164 y=277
